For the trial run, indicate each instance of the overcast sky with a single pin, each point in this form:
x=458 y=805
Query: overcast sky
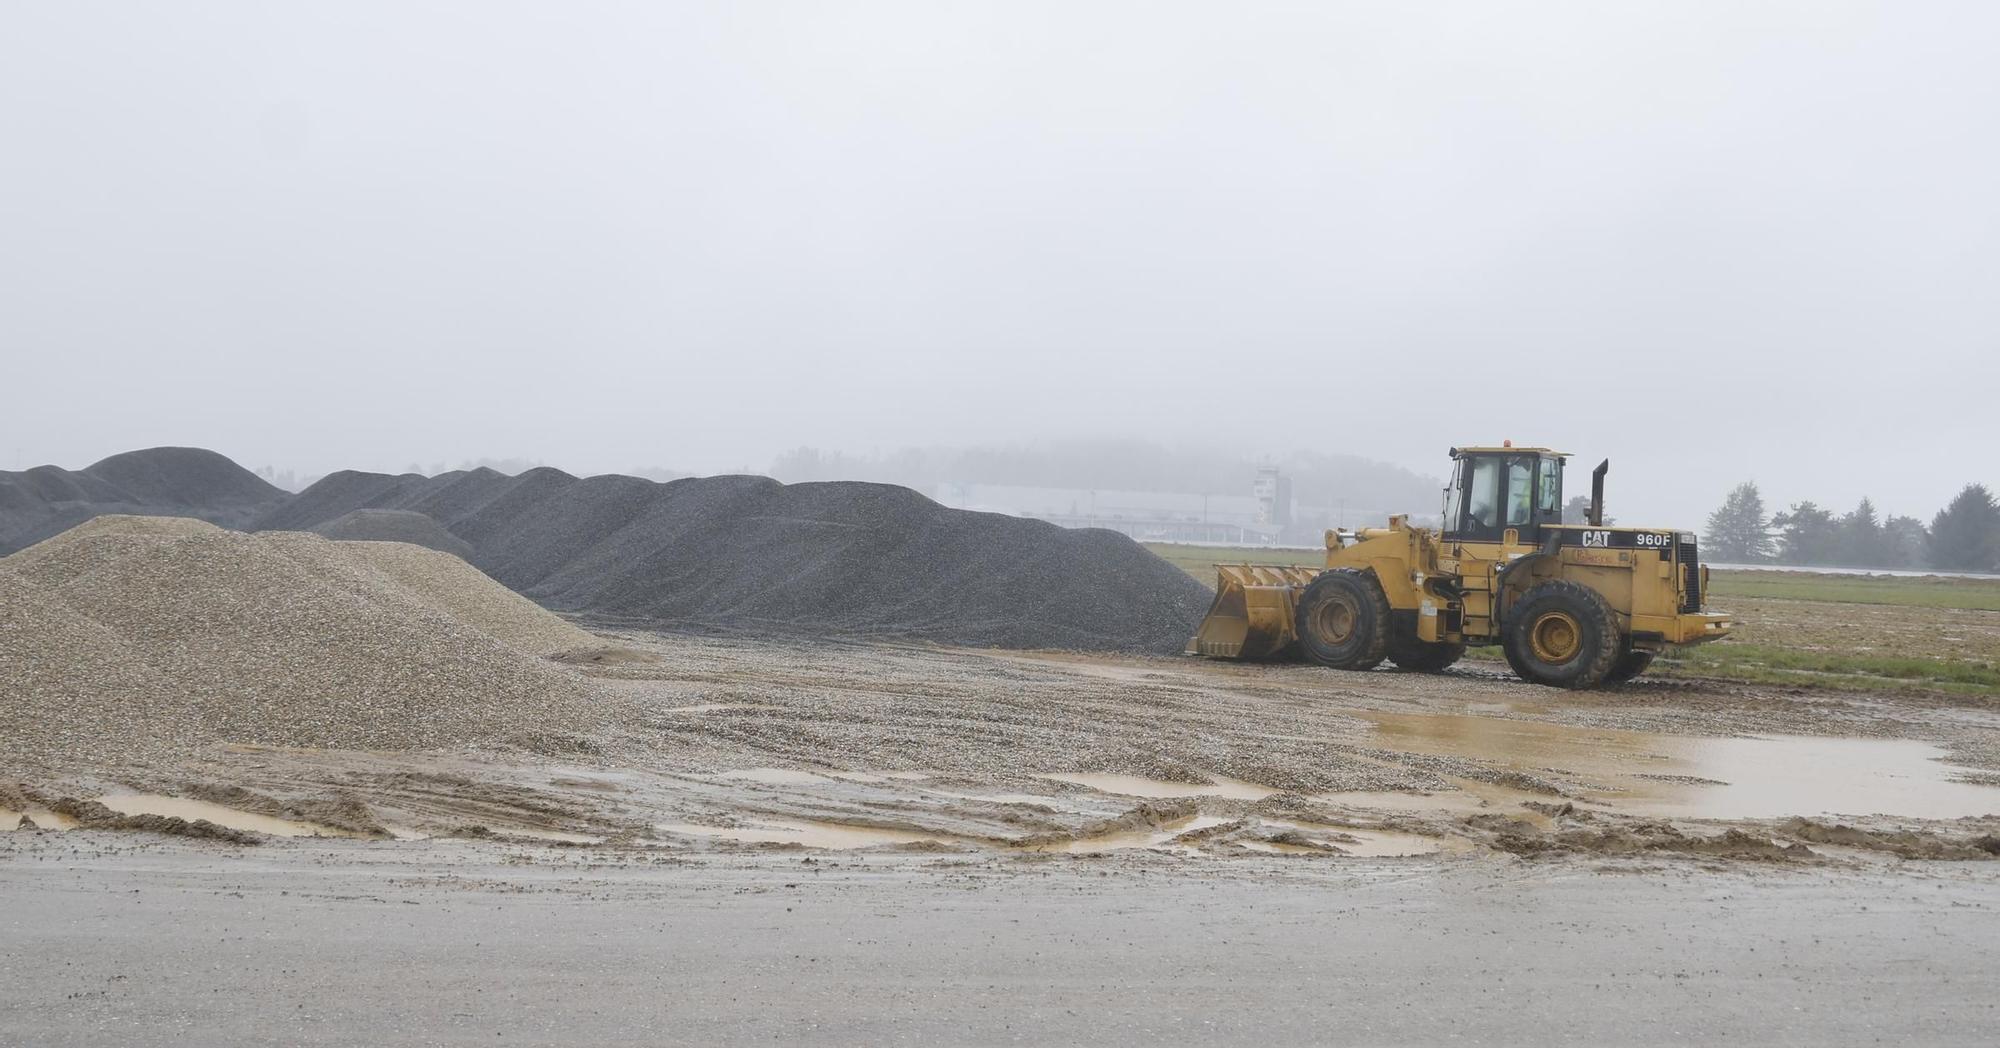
x=1710 y=241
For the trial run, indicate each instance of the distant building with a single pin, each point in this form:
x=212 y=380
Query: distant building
x=1149 y=516
x=1273 y=492
x=1268 y=516
x=1260 y=518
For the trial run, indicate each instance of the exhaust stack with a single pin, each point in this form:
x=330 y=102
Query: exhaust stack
x=1597 y=493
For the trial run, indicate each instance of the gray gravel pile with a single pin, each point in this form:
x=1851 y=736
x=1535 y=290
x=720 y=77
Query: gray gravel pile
x=395 y=525
x=130 y=637
x=827 y=558
x=176 y=482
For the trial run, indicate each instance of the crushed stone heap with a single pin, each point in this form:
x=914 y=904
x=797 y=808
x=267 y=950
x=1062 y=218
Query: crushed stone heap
x=171 y=482
x=130 y=636
x=395 y=525
x=834 y=558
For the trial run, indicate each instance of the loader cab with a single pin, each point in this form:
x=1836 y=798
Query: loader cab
x=1494 y=490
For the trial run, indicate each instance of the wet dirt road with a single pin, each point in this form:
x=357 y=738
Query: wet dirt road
x=730 y=745
x=106 y=941
x=852 y=843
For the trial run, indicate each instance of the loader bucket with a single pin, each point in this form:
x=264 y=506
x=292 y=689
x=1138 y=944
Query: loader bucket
x=1252 y=614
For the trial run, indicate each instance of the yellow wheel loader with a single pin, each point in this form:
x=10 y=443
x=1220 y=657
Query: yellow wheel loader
x=1572 y=605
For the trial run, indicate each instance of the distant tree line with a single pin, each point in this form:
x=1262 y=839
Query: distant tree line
x=1963 y=536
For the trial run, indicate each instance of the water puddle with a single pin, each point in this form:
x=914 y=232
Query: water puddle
x=1137 y=786
x=794 y=777
x=807 y=833
x=1281 y=848
x=42 y=818
x=1160 y=836
x=191 y=810
x=880 y=776
x=1008 y=798
x=1793 y=775
x=1371 y=844
x=1692 y=777
x=835 y=836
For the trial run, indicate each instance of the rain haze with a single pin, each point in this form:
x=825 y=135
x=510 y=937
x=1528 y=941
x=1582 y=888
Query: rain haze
x=1711 y=242
x=992 y=580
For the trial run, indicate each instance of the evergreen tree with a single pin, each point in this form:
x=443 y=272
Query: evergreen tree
x=1738 y=532
x=1903 y=539
x=1861 y=541
x=1965 y=536
x=1577 y=511
x=1807 y=534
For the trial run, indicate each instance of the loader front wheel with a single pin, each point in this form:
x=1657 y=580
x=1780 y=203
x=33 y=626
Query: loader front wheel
x=1564 y=635
x=1423 y=656
x=1342 y=620
x=1628 y=666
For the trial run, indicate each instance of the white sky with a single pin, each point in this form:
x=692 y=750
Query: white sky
x=1711 y=241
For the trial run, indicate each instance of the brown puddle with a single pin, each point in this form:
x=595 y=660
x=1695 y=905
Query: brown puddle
x=1160 y=836
x=842 y=836
x=1718 y=778
x=1374 y=844
x=794 y=777
x=407 y=833
x=807 y=833
x=42 y=818
x=1042 y=800
x=234 y=819
x=1137 y=786
x=845 y=837
x=192 y=810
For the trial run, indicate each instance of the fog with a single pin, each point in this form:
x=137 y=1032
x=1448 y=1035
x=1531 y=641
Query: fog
x=1712 y=242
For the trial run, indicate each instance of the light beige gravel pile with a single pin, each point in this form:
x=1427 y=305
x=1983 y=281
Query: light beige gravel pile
x=131 y=637
x=436 y=581
x=59 y=668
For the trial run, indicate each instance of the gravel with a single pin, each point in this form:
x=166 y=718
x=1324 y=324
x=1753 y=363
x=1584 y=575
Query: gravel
x=395 y=525
x=129 y=637
x=838 y=558
x=446 y=584
x=748 y=553
x=180 y=482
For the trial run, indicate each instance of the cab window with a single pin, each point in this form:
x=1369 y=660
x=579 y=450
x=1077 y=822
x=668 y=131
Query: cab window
x=1482 y=504
x=1520 y=489
x=1550 y=499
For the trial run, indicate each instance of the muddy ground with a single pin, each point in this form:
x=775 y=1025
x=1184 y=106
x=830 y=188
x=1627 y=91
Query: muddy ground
x=722 y=743
x=874 y=843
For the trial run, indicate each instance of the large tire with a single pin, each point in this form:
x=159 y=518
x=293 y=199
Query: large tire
x=1342 y=620
x=1628 y=666
x=1562 y=634
x=1423 y=656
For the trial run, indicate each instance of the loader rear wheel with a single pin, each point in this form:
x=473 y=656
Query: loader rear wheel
x=1628 y=666
x=1423 y=656
x=1564 y=635
x=1342 y=620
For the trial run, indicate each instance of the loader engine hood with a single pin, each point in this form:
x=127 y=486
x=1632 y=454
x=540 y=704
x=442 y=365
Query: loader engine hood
x=1587 y=537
